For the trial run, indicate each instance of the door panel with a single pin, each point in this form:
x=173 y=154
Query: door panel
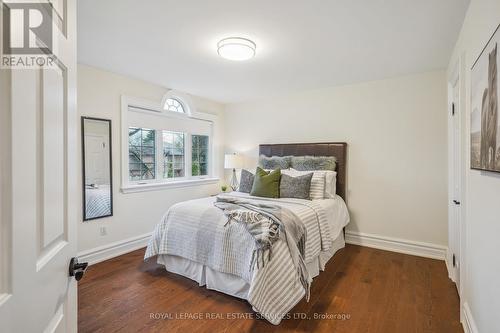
x=53 y=181
x=60 y=15
x=38 y=236
x=57 y=323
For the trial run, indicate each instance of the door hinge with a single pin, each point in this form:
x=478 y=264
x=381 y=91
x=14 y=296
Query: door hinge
x=454 y=260
x=452 y=109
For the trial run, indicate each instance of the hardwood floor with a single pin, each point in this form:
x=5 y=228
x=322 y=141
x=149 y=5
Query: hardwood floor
x=361 y=290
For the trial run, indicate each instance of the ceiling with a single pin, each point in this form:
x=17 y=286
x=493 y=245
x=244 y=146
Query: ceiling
x=301 y=45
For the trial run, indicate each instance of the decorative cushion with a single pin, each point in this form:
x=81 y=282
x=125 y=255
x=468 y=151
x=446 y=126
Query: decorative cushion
x=266 y=184
x=295 y=187
x=246 y=181
x=275 y=162
x=317 y=190
x=310 y=163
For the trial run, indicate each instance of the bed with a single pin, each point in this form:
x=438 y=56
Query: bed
x=194 y=240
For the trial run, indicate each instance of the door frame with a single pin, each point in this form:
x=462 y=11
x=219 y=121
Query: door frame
x=6 y=184
x=456 y=231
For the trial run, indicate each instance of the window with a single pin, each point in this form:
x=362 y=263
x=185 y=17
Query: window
x=173 y=154
x=199 y=155
x=174 y=105
x=165 y=148
x=141 y=153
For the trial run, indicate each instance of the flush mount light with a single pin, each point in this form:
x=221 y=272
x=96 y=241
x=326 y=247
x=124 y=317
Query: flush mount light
x=236 y=48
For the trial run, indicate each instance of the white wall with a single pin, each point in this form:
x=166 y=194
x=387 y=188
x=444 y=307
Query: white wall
x=397 y=157
x=135 y=214
x=481 y=290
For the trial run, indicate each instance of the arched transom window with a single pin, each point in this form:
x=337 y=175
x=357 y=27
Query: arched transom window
x=174 y=105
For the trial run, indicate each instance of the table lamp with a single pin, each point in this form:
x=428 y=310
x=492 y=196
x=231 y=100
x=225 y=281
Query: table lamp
x=233 y=161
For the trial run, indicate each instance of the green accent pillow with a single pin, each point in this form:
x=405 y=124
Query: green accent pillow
x=266 y=184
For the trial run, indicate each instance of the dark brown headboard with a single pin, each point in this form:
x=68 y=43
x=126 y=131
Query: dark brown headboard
x=337 y=149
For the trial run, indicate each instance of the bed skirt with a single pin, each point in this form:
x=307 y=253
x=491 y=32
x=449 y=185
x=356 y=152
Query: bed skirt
x=231 y=284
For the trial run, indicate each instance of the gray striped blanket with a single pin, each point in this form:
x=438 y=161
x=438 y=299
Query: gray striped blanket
x=196 y=230
x=267 y=223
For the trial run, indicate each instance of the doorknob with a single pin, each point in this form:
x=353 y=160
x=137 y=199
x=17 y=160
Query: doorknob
x=77 y=269
x=456 y=202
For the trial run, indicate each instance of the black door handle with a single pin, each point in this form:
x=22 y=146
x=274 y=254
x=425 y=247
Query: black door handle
x=456 y=202
x=77 y=269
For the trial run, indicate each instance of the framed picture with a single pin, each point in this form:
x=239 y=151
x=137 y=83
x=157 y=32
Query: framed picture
x=484 y=127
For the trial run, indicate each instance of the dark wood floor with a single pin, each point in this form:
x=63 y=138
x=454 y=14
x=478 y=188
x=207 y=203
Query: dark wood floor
x=362 y=290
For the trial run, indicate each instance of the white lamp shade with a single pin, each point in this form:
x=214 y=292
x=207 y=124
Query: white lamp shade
x=233 y=161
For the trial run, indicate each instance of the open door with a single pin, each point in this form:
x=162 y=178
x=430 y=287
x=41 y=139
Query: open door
x=38 y=168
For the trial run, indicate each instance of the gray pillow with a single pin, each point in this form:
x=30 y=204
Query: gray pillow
x=295 y=187
x=246 y=181
x=307 y=163
x=275 y=162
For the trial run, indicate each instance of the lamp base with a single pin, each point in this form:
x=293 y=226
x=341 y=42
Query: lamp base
x=234 y=181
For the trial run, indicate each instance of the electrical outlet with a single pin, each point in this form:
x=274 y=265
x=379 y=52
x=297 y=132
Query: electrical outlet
x=103 y=231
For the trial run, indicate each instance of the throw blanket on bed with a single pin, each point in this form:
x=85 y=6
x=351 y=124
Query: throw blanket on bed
x=197 y=230
x=266 y=223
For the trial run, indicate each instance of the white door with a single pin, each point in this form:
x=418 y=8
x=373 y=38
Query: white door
x=96 y=158
x=38 y=175
x=455 y=185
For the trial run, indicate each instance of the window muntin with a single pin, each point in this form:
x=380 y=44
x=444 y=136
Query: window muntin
x=199 y=155
x=142 y=153
x=174 y=105
x=173 y=154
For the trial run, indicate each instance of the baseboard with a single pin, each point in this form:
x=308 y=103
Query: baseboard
x=469 y=324
x=105 y=252
x=420 y=249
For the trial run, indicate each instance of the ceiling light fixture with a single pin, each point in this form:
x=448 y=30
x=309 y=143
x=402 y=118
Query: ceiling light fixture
x=236 y=48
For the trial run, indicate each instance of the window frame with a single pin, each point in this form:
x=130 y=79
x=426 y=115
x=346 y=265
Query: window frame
x=175 y=99
x=153 y=109
x=182 y=98
x=184 y=134
x=209 y=163
x=142 y=129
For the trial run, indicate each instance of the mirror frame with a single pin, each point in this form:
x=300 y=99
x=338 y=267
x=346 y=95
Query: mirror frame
x=83 y=169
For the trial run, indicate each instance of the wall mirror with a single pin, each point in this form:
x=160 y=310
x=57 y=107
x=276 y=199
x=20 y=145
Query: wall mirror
x=97 y=171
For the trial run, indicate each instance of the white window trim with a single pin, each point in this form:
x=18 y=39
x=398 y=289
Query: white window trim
x=139 y=104
x=166 y=185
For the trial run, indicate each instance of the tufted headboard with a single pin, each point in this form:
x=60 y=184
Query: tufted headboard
x=337 y=149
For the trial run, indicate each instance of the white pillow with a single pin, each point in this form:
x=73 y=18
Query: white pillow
x=330 y=181
x=317 y=190
x=330 y=184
